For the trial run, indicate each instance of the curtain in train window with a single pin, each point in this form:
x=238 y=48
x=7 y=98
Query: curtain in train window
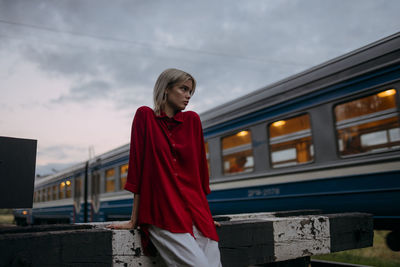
x=368 y=124
x=290 y=142
x=208 y=157
x=110 y=181
x=123 y=170
x=237 y=153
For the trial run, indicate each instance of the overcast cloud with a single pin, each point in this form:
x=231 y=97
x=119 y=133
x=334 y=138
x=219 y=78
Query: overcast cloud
x=75 y=71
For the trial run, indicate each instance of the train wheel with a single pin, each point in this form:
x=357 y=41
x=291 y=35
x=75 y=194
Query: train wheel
x=393 y=240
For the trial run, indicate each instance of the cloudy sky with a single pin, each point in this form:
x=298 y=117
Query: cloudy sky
x=73 y=72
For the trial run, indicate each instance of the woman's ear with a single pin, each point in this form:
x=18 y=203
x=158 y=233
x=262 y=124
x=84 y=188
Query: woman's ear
x=165 y=93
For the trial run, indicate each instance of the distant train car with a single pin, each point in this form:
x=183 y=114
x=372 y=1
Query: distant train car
x=327 y=138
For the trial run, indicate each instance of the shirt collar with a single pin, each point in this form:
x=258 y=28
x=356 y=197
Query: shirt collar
x=177 y=117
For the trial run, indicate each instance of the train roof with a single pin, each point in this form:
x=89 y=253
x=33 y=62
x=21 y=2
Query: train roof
x=75 y=169
x=67 y=172
x=305 y=82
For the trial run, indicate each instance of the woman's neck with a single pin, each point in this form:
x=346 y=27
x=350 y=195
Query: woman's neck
x=169 y=111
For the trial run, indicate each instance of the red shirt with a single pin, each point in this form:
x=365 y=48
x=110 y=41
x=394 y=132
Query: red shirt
x=168 y=168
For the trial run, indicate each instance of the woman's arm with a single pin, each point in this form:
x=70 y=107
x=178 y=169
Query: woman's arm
x=132 y=223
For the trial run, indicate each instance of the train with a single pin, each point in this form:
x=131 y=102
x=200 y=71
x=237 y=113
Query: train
x=327 y=138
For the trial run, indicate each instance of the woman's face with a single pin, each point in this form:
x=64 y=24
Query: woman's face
x=178 y=96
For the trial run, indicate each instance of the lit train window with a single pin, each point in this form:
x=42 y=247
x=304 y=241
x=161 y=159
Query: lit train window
x=110 y=181
x=54 y=192
x=368 y=124
x=61 y=192
x=207 y=156
x=290 y=141
x=123 y=170
x=237 y=153
x=68 y=189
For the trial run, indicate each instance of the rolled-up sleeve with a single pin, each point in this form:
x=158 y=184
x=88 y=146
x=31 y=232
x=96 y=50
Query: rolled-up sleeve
x=136 y=152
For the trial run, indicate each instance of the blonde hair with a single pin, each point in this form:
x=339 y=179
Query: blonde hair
x=167 y=79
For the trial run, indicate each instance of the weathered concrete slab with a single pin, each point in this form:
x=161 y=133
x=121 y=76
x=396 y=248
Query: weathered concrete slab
x=245 y=239
x=55 y=247
x=287 y=238
x=127 y=248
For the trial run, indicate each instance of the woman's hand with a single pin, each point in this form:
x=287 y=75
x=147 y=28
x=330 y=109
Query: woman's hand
x=132 y=223
x=125 y=225
x=217 y=224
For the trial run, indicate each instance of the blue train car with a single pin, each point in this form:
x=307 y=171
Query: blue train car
x=327 y=138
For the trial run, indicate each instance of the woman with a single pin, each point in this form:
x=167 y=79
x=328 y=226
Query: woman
x=168 y=175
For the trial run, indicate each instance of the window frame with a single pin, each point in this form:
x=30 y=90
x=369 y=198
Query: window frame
x=288 y=117
x=222 y=154
x=365 y=93
x=112 y=178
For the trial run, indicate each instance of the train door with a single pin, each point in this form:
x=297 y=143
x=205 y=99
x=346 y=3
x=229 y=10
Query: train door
x=95 y=192
x=77 y=199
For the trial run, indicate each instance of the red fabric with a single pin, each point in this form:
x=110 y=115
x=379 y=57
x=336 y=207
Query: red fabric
x=168 y=168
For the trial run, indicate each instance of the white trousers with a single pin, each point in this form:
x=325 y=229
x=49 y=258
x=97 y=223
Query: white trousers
x=179 y=249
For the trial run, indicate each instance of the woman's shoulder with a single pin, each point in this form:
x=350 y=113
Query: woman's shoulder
x=143 y=111
x=191 y=115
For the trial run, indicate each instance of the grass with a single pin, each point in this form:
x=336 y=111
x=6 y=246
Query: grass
x=378 y=255
x=6 y=216
x=6 y=219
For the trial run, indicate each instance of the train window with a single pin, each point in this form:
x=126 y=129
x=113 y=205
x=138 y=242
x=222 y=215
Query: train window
x=207 y=156
x=68 y=189
x=54 y=192
x=368 y=124
x=123 y=170
x=237 y=153
x=110 y=181
x=290 y=141
x=61 y=192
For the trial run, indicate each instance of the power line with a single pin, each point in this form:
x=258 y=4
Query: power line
x=145 y=44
